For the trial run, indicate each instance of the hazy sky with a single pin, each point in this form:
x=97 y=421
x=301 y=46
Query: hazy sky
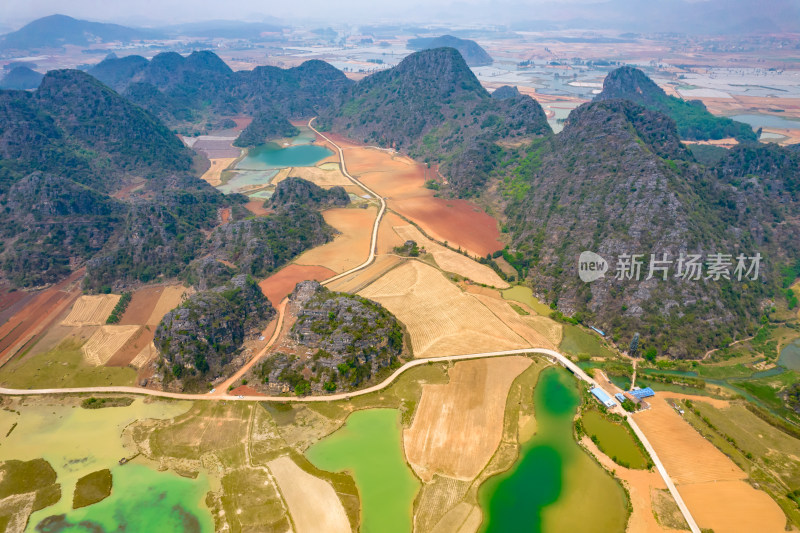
x=161 y=12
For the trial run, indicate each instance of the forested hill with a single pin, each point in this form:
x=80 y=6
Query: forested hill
x=200 y=88
x=618 y=181
x=694 y=121
x=80 y=166
x=432 y=107
x=472 y=52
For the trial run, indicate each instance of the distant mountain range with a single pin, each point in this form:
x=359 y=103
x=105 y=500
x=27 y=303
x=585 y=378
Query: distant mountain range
x=187 y=92
x=472 y=52
x=56 y=31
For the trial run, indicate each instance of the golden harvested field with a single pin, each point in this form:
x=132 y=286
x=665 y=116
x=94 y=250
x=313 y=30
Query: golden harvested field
x=147 y=354
x=105 y=342
x=451 y=261
x=458 y=426
x=539 y=331
x=171 y=297
x=141 y=306
x=214 y=173
x=348 y=249
x=713 y=486
x=732 y=507
x=463 y=518
x=358 y=280
x=387 y=236
x=324 y=177
x=312 y=502
x=91 y=310
x=441 y=319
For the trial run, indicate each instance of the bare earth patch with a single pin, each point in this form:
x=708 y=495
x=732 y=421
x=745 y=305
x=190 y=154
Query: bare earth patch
x=326 y=177
x=280 y=284
x=348 y=249
x=441 y=319
x=214 y=173
x=105 y=342
x=458 y=426
x=312 y=502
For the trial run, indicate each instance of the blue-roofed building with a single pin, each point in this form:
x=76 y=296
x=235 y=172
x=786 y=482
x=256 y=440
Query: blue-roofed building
x=641 y=394
x=620 y=397
x=603 y=396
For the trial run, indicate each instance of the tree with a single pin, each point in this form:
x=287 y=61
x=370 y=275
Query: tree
x=633 y=351
x=650 y=354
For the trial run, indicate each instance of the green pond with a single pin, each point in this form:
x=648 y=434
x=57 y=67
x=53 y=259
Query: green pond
x=369 y=446
x=272 y=156
x=614 y=440
x=245 y=179
x=790 y=356
x=141 y=500
x=554 y=485
x=78 y=441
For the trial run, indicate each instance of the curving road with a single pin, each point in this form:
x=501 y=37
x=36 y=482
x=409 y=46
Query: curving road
x=221 y=393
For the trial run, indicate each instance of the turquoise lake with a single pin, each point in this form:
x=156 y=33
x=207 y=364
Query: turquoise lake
x=272 y=156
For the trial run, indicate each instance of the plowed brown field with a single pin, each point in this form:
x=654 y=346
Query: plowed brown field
x=280 y=284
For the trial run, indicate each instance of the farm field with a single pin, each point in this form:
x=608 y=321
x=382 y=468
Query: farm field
x=539 y=331
x=280 y=284
x=388 y=237
x=401 y=180
x=464 y=415
x=170 y=298
x=91 y=310
x=358 y=280
x=577 y=341
x=697 y=467
x=105 y=342
x=451 y=261
x=440 y=318
x=214 y=173
x=313 y=504
x=323 y=175
x=348 y=249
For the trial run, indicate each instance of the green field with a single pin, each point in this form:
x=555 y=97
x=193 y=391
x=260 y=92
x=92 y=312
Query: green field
x=520 y=293
x=63 y=366
x=613 y=439
x=576 y=341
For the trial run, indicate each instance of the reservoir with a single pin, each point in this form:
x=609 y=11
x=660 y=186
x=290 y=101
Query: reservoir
x=271 y=156
x=554 y=485
x=767 y=121
x=369 y=447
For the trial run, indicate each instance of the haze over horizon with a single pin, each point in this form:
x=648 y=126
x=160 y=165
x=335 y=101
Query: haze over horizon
x=631 y=15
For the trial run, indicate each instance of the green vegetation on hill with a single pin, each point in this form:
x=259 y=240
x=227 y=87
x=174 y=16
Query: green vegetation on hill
x=299 y=192
x=199 y=339
x=433 y=107
x=352 y=338
x=21 y=78
x=265 y=125
x=694 y=121
x=67 y=150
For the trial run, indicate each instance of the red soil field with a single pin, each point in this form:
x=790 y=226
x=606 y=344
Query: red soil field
x=257 y=208
x=245 y=390
x=38 y=313
x=279 y=285
x=131 y=349
x=225 y=214
x=141 y=306
x=402 y=181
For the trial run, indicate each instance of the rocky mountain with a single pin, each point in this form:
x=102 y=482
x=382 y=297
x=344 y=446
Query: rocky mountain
x=72 y=153
x=618 y=182
x=472 y=52
x=352 y=339
x=433 y=107
x=268 y=124
x=56 y=31
x=200 y=338
x=694 y=121
x=187 y=92
x=299 y=192
x=22 y=78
